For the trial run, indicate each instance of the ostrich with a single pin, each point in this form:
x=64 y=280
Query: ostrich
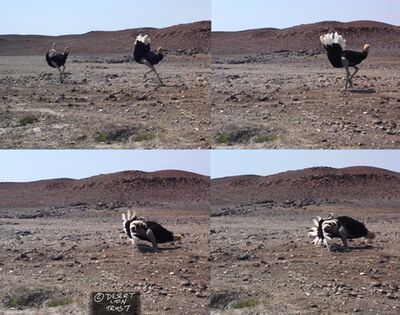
x=141 y=229
x=334 y=45
x=142 y=54
x=53 y=51
x=55 y=60
x=342 y=227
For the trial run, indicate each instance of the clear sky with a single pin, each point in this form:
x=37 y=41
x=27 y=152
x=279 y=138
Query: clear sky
x=234 y=15
x=47 y=17
x=268 y=162
x=30 y=165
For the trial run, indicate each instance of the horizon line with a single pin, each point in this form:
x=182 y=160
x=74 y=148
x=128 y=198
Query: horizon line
x=106 y=31
x=296 y=25
x=302 y=169
x=100 y=174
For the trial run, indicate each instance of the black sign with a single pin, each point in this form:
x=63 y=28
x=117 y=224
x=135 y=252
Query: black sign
x=115 y=303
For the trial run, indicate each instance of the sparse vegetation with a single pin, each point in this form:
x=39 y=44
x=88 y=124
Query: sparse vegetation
x=144 y=137
x=124 y=135
x=12 y=302
x=59 y=302
x=235 y=134
x=265 y=138
x=102 y=136
x=27 y=120
x=224 y=138
x=26 y=299
x=247 y=303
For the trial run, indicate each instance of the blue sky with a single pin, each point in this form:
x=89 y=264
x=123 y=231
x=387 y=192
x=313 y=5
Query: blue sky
x=47 y=17
x=29 y=165
x=267 y=162
x=233 y=15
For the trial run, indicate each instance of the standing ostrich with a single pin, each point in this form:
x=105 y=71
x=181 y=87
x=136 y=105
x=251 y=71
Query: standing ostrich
x=334 y=45
x=143 y=55
x=55 y=60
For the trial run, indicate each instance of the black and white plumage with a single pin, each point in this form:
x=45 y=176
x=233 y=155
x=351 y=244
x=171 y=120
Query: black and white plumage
x=56 y=60
x=339 y=57
x=343 y=227
x=140 y=229
x=143 y=55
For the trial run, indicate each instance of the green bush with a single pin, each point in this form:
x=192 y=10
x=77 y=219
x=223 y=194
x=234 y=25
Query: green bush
x=27 y=120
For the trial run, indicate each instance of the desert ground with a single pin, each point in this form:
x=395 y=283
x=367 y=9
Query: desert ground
x=104 y=103
x=263 y=262
x=55 y=257
x=297 y=100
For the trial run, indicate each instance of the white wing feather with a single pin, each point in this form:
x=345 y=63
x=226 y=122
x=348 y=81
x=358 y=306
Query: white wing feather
x=333 y=38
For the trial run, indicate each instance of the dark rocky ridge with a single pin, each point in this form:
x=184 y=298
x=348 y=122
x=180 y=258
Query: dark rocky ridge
x=170 y=188
x=309 y=186
x=383 y=38
x=188 y=38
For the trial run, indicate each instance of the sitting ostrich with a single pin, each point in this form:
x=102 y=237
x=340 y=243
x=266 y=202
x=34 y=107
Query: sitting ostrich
x=342 y=227
x=140 y=229
x=55 y=60
x=334 y=45
x=142 y=54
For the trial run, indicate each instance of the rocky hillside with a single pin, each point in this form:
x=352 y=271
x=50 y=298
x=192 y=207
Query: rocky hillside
x=169 y=188
x=184 y=38
x=383 y=38
x=320 y=184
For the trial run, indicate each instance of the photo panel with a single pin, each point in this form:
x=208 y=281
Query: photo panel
x=305 y=232
x=105 y=74
x=305 y=74
x=104 y=231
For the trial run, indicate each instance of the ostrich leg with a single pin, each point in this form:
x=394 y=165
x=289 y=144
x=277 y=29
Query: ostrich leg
x=148 y=64
x=345 y=64
x=61 y=75
x=145 y=75
x=352 y=76
x=343 y=236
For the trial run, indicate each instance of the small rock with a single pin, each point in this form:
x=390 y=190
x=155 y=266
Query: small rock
x=376 y=284
x=57 y=257
x=263 y=98
x=243 y=257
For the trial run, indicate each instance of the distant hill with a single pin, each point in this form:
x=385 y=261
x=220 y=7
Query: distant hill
x=169 y=188
x=189 y=38
x=354 y=184
x=382 y=38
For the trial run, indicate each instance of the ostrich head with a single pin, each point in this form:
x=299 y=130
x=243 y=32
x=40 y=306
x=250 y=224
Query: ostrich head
x=370 y=235
x=178 y=237
x=138 y=226
x=366 y=48
x=160 y=50
x=66 y=51
x=54 y=45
